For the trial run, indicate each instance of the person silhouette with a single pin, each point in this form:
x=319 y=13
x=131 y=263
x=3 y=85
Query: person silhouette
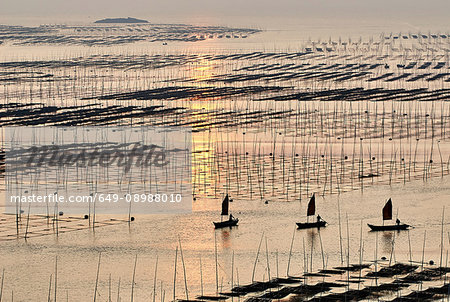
x=397 y=221
x=319 y=218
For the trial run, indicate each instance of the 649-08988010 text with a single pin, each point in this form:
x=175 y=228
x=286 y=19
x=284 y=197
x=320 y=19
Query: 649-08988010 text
x=103 y=198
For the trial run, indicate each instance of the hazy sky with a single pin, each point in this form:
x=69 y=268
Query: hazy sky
x=402 y=10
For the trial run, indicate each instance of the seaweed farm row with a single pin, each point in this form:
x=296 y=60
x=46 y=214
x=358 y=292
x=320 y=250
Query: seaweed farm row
x=107 y=35
x=278 y=125
x=366 y=117
x=103 y=75
x=28 y=226
x=371 y=279
x=322 y=147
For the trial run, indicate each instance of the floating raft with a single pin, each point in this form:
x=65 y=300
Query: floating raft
x=41 y=225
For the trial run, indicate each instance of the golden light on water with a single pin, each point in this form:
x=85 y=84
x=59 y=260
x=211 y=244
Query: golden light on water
x=203 y=72
x=270 y=127
x=202 y=148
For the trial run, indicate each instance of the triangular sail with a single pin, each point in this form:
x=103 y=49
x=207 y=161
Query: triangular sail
x=311 y=206
x=387 y=210
x=225 y=205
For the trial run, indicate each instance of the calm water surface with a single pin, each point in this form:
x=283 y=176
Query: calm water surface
x=29 y=264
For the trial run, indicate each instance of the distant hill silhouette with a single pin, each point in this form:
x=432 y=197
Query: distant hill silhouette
x=121 y=20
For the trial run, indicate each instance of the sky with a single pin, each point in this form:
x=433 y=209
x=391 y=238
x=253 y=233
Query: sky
x=413 y=11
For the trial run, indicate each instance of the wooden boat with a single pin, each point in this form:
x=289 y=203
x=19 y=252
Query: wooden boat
x=232 y=221
x=310 y=225
x=392 y=227
x=226 y=223
x=387 y=215
x=311 y=211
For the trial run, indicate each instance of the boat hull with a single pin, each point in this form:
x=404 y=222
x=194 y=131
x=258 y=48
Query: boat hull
x=226 y=223
x=311 y=225
x=393 y=227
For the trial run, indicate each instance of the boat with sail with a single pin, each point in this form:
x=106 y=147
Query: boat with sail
x=232 y=221
x=311 y=211
x=387 y=215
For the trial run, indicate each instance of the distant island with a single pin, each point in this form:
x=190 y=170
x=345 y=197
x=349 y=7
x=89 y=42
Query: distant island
x=121 y=20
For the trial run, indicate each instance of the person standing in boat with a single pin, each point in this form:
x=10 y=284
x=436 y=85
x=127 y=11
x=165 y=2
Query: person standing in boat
x=319 y=218
x=231 y=217
x=397 y=221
